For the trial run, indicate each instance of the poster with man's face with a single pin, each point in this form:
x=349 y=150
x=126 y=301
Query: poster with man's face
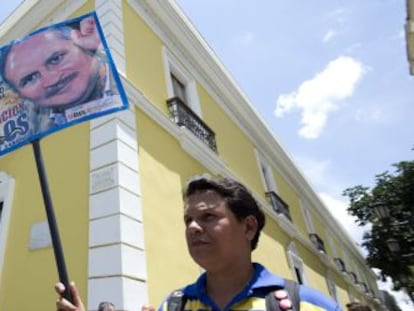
x=56 y=77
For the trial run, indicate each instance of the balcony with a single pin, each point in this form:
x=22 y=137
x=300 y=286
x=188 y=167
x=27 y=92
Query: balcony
x=317 y=241
x=371 y=293
x=364 y=287
x=353 y=277
x=184 y=116
x=340 y=264
x=278 y=205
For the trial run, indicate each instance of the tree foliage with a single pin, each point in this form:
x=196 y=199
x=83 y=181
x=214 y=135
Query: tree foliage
x=396 y=191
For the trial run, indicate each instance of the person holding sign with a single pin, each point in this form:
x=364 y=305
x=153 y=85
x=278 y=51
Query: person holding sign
x=58 y=69
x=223 y=223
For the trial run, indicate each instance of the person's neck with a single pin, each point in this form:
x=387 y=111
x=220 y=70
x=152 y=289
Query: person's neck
x=222 y=286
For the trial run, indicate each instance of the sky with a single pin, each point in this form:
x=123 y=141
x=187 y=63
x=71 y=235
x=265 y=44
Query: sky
x=330 y=79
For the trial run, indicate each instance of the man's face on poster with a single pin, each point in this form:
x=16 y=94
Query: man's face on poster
x=51 y=70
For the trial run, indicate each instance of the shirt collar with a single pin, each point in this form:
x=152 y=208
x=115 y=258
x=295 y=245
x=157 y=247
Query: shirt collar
x=262 y=278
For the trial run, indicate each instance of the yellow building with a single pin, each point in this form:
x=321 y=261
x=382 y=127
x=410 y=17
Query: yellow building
x=116 y=182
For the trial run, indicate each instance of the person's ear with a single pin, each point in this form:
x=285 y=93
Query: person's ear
x=250 y=227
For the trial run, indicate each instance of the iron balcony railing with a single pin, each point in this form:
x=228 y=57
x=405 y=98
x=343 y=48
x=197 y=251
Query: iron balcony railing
x=364 y=287
x=371 y=293
x=184 y=116
x=278 y=205
x=340 y=264
x=353 y=277
x=318 y=242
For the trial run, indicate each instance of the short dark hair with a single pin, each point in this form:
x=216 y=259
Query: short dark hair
x=357 y=306
x=238 y=198
x=105 y=305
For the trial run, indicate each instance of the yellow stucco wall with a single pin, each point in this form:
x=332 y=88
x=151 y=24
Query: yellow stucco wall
x=314 y=271
x=341 y=288
x=33 y=272
x=144 y=65
x=271 y=250
x=320 y=228
x=236 y=150
x=164 y=172
x=164 y=168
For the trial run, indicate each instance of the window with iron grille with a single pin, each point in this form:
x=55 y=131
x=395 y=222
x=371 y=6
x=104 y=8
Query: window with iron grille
x=353 y=277
x=364 y=286
x=184 y=116
x=180 y=82
x=340 y=264
x=179 y=89
x=317 y=242
x=296 y=264
x=278 y=205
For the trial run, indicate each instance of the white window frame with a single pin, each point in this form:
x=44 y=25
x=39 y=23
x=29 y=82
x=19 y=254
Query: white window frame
x=331 y=287
x=266 y=173
x=173 y=66
x=6 y=196
x=307 y=217
x=296 y=263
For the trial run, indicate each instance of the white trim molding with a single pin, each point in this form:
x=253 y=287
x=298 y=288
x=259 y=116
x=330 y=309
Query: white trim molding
x=117 y=268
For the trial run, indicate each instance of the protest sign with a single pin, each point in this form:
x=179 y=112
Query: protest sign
x=51 y=79
x=56 y=77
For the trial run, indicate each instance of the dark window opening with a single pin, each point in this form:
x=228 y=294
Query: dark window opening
x=298 y=276
x=178 y=88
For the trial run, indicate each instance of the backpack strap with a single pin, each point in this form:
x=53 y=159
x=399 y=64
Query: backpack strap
x=176 y=301
x=272 y=304
x=292 y=288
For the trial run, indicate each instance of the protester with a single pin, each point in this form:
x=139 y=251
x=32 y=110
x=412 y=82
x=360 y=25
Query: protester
x=357 y=306
x=222 y=227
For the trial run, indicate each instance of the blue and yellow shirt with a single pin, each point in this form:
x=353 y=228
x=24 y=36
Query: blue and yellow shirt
x=253 y=296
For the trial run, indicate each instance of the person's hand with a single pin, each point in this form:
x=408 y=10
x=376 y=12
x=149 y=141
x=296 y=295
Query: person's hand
x=87 y=36
x=284 y=302
x=147 y=308
x=64 y=305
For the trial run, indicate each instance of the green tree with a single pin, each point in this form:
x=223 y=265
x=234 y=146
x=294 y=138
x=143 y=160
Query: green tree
x=396 y=191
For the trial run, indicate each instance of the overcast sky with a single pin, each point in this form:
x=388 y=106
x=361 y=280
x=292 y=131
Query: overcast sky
x=330 y=78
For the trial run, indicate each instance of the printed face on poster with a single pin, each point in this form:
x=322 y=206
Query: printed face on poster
x=56 y=77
